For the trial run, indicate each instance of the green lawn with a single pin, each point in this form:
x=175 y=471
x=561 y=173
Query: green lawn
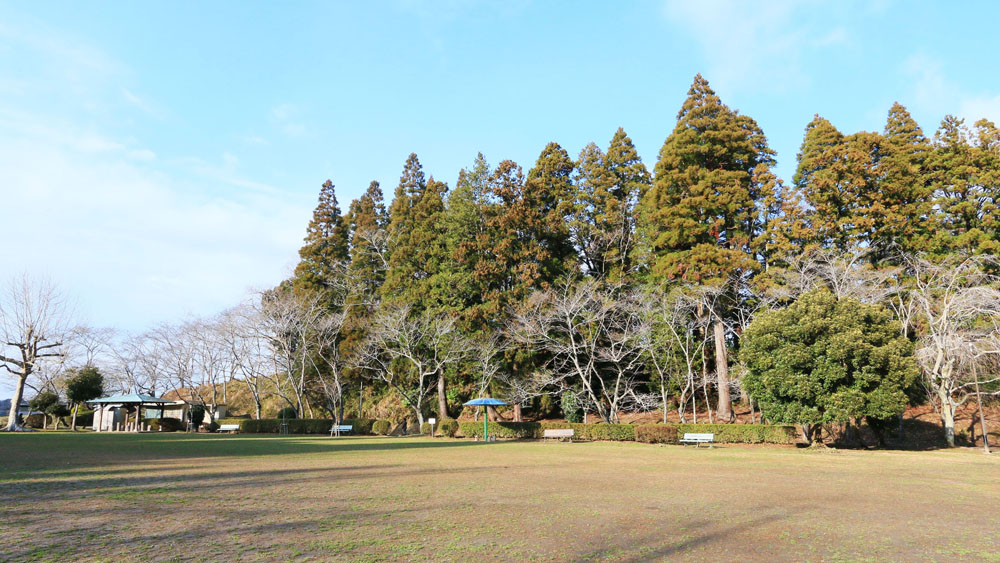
x=205 y=497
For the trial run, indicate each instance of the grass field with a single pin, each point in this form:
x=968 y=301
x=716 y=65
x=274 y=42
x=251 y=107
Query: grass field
x=207 y=497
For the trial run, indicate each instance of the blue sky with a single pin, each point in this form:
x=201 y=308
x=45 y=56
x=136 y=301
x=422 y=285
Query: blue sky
x=159 y=159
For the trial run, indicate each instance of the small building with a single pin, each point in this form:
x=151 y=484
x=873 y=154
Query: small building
x=126 y=412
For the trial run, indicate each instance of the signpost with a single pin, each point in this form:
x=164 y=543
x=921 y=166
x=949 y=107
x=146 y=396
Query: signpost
x=432 y=421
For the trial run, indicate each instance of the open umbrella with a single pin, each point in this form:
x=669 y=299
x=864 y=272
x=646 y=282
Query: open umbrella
x=485 y=401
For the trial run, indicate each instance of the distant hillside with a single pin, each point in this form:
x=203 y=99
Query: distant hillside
x=5 y=407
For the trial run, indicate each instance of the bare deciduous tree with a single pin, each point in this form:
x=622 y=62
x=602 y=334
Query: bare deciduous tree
x=409 y=351
x=959 y=309
x=594 y=335
x=675 y=346
x=33 y=327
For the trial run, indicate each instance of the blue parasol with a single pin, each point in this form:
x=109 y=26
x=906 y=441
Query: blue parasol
x=485 y=401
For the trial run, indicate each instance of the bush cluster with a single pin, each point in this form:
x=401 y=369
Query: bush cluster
x=656 y=434
x=743 y=433
x=85 y=418
x=161 y=424
x=381 y=427
x=648 y=433
x=297 y=425
x=447 y=427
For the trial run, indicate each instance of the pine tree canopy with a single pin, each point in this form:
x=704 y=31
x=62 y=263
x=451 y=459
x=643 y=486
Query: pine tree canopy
x=326 y=244
x=701 y=211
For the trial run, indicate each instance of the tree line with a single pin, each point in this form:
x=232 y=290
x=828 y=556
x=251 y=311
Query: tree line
x=596 y=283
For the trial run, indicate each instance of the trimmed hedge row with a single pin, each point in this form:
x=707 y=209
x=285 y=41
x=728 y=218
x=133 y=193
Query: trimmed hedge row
x=446 y=427
x=649 y=433
x=744 y=433
x=382 y=427
x=656 y=434
x=164 y=424
x=299 y=425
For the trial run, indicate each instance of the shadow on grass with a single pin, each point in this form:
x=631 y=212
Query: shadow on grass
x=35 y=453
x=652 y=548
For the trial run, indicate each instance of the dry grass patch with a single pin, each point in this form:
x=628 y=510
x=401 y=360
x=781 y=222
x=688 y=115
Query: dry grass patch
x=205 y=497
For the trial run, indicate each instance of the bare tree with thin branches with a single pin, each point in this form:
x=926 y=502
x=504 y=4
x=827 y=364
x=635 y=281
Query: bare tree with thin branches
x=33 y=327
x=959 y=309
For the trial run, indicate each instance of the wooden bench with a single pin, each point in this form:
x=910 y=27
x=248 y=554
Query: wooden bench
x=698 y=439
x=229 y=428
x=343 y=428
x=558 y=434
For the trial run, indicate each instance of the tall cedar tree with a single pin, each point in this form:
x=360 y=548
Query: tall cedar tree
x=367 y=217
x=966 y=201
x=464 y=222
x=505 y=258
x=403 y=268
x=549 y=188
x=823 y=180
x=604 y=225
x=325 y=244
x=902 y=222
x=702 y=208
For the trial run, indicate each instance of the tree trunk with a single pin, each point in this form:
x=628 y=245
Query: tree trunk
x=491 y=413
x=72 y=424
x=517 y=412
x=724 y=410
x=947 y=417
x=982 y=419
x=15 y=404
x=442 y=399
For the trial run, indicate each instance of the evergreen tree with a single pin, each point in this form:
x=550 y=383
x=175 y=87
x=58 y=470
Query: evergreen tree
x=701 y=211
x=325 y=244
x=367 y=220
x=464 y=221
x=965 y=197
x=901 y=221
x=402 y=269
x=549 y=188
x=608 y=188
x=824 y=360
x=823 y=180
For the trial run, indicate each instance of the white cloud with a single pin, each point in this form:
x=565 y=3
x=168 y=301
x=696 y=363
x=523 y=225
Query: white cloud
x=741 y=39
x=137 y=242
x=286 y=117
x=935 y=95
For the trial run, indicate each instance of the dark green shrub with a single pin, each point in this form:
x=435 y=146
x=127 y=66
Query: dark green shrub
x=743 y=433
x=447 y=427
x=571 y=408
x=85 y=418
x=163 y=424
x=613 y=432
x=34 y=421
x=473 y=429
x=425 y=428
x=197 y=415
x=656 y=433
x=287 y=413
x=381 y=427
x=295 y=426
x=213 y=426
x=361 y=425
x=616 y=432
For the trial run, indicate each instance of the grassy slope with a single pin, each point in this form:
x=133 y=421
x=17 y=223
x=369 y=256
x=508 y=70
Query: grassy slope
x=153 y=497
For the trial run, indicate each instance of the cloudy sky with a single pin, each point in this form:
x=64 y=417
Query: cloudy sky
x=159 y=159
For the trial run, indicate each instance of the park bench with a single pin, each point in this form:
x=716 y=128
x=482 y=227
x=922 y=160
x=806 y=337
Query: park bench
x=340 y=429
x=229 y=428
x=558 y=434
x=698 y=439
